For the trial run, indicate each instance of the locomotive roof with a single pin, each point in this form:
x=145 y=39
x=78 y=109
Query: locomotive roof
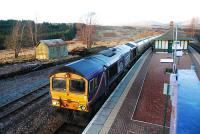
x=93 y=65
x=85 y=67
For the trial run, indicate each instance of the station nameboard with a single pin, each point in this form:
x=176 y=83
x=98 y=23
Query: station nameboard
x=166 y=60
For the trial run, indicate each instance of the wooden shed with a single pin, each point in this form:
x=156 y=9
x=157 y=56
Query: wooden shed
x=164 y=43
x=51 y=49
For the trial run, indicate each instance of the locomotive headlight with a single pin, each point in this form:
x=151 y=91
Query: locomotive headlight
x=82 y=107
x=55 y=102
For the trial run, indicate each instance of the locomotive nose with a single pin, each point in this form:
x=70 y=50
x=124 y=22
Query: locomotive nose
x=69 y=91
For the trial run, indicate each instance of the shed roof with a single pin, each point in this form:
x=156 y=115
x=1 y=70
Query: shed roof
x=169 y=35
x=52 y=42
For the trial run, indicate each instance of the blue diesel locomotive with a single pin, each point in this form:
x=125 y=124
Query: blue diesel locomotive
x=79 y=84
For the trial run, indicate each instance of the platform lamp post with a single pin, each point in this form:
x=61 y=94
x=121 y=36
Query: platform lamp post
x=167 y=86
x=166 y=107
x=174 y=55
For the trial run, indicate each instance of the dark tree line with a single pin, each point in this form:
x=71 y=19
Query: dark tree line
x=59 y=30
x=26 y=33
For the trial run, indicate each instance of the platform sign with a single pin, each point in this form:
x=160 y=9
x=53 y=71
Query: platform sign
x=166 y=60
x=167 y=90
x=179 y=53
x=177 y=45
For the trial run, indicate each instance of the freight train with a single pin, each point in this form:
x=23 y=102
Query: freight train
x=79 y=85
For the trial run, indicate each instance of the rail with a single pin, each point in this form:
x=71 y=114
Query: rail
x=23 y=101
x=195 y=54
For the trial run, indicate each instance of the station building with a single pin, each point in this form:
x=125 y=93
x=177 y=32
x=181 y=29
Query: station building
x=165 y=41
x=51 y=49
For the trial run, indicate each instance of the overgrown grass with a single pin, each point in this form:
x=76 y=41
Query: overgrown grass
x=7 y=56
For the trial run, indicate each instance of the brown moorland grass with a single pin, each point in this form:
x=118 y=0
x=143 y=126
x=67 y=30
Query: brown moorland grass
x=26 y=54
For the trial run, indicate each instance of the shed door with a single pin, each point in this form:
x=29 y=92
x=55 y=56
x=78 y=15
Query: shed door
x=58 y=52
x=169 y=50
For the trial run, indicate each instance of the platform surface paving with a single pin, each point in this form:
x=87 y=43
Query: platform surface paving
x=125 y=121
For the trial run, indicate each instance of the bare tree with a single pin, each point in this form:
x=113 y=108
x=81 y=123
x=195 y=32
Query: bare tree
x=18 y=46
x=36 y=29
x=13 y=38
x=30 y=29
x=14 y=41
x=36 y=33
x=87 y=29
x=193 y=26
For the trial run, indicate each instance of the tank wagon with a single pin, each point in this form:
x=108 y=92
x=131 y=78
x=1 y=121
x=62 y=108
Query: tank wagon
x=79 y=85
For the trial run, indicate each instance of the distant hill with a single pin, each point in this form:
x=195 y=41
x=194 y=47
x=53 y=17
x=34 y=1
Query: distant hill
x=146 y=24
x=187 y=23
x=155 y=24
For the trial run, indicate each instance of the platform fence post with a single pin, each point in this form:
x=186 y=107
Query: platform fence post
x=165 y=110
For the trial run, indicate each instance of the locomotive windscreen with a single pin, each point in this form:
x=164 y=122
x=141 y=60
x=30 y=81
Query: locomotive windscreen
x=59 y=84
x=77 y=86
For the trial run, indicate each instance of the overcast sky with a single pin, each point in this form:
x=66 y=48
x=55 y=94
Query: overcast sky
x=108 y=12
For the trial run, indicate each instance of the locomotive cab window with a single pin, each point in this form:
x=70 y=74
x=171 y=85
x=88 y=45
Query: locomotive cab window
x=112 y=71
x=93 y=84
x=134 y=52
x=59 y=84
x=77 y=86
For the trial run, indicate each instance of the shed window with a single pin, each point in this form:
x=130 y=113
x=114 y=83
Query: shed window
x=77 y=86
x=59 y=84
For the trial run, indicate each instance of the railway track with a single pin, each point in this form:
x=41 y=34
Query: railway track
x=70 y=128
x=196 y=47
x=21 y=102
x=12 y=108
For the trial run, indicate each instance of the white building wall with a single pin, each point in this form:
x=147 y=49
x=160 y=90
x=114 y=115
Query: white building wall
x=163 y=44
x=182 y=44
x=160 y=44
x=185 y=45
x=156 y=44
x=166 y=45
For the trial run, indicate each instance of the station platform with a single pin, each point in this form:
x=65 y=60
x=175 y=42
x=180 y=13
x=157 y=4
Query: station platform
x=137 y=105
x=186 y=103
